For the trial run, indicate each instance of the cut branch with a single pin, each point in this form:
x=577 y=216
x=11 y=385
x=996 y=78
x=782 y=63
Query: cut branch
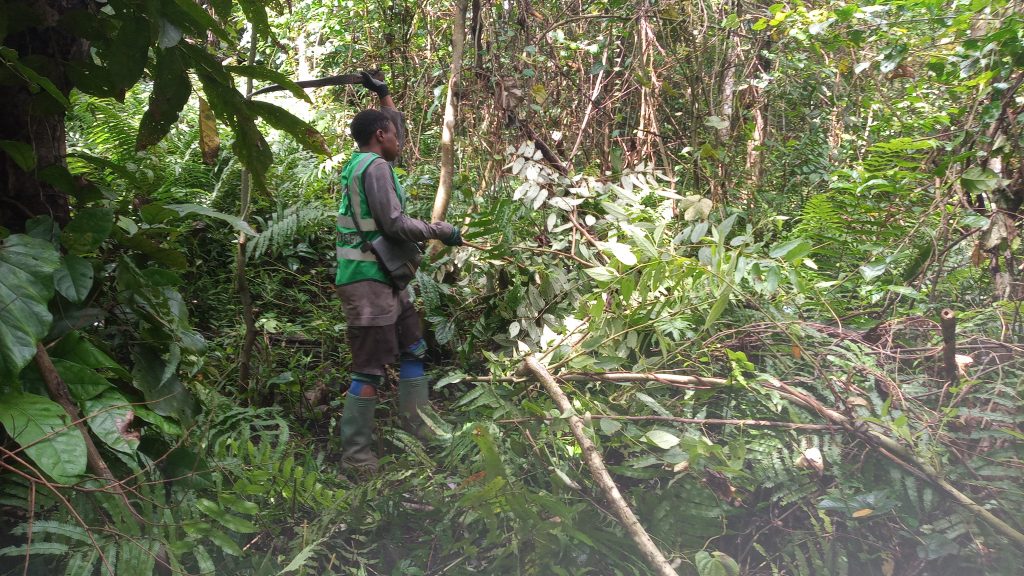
x=678 y=380
x=904 y=457
x=604 y=480
x=700 y=421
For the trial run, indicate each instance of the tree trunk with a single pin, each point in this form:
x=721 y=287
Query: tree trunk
x=241 y=281
x=37 y=119
x=758 y=137
x=444 y=187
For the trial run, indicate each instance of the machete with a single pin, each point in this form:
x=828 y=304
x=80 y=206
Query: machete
x=338 y=80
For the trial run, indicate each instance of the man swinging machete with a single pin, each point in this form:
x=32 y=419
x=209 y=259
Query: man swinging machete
x=383 y=325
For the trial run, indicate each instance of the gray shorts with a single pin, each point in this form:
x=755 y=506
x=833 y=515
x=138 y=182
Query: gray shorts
x=374 y=347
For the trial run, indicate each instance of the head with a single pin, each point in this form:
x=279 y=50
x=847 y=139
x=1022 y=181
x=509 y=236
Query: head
x=374 y=132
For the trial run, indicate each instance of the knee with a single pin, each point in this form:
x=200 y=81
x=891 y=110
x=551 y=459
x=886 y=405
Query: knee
x=416 y=351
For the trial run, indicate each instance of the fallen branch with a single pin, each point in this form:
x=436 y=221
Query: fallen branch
x=677 y=380
x=604 y=480
x=679 y=420
x=903 y=457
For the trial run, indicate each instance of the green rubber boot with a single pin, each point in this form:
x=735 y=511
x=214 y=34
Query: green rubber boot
x=356 y=428
x=413 y=398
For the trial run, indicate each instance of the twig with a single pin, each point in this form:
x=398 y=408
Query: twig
x=604 y=480
x=948 y=323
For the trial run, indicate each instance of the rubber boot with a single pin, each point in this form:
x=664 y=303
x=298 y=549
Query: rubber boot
x=356 y=428
x=413 y=397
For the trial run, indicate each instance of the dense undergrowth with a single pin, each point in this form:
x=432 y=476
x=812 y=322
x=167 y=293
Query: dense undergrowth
x=828 y=275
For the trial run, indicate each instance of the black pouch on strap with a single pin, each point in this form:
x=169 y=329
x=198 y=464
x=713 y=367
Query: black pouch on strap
x=399 y=259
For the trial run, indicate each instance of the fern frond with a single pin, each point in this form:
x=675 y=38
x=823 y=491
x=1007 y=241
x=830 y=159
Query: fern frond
x=284 y=227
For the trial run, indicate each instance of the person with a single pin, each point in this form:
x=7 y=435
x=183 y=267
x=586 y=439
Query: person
x=383 y=325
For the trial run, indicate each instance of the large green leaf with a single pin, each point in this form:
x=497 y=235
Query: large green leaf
x=792 y=250
x=171 y=89
x=201 y=19
x=165 y=394
x=229 y=521
x=128 y=51
x=74 y=278
x=22 y=154
x=264 y=73
x=45 y=430
x=978 y=180
x=716 y=564
x=285 y=121
x=88 y=230
x=230 y=106
x=26 y=285
x=256 y=12
x=236 y=222
x=76 y=348
x=35 y=80
x=83 y=382
x=109 y=416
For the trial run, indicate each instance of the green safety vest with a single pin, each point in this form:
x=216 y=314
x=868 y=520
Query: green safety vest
x=355 y=264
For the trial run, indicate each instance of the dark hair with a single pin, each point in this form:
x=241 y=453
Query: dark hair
x=366 y=124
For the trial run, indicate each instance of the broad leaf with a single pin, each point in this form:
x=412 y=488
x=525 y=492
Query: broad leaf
x=256 y=13
x=34 y=78
x=283 y=120
x=622 y=252
x=716 y=564
x=83 y=382
x=792 y=250
x=88 y=230
x=662 y=439
x=977 y=180
x=166 y=396
x=235 y=222
x=201 y=18
x=76 y=348
x=171 y=89
x=602 y=273
x=44 y=429
x=127 y=54
x=22 y=154
x=74 y=278
x=26 y=285
x=249 y=144
x=229 y=521
x=109 y=416
x=264 y=73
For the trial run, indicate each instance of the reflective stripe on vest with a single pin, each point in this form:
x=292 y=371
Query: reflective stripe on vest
x=346 y=253
x=367 y=224
x=345 y=221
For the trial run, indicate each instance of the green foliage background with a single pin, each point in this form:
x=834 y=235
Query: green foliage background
x=752 y=194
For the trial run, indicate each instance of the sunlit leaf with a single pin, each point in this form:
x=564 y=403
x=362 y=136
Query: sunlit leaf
x=44 y=429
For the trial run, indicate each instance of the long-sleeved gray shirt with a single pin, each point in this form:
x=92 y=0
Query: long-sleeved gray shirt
x=370 y=303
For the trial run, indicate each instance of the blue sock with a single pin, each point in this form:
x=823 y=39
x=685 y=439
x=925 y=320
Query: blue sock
x=411 y=368
x=412 y=360
x=359 y=381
